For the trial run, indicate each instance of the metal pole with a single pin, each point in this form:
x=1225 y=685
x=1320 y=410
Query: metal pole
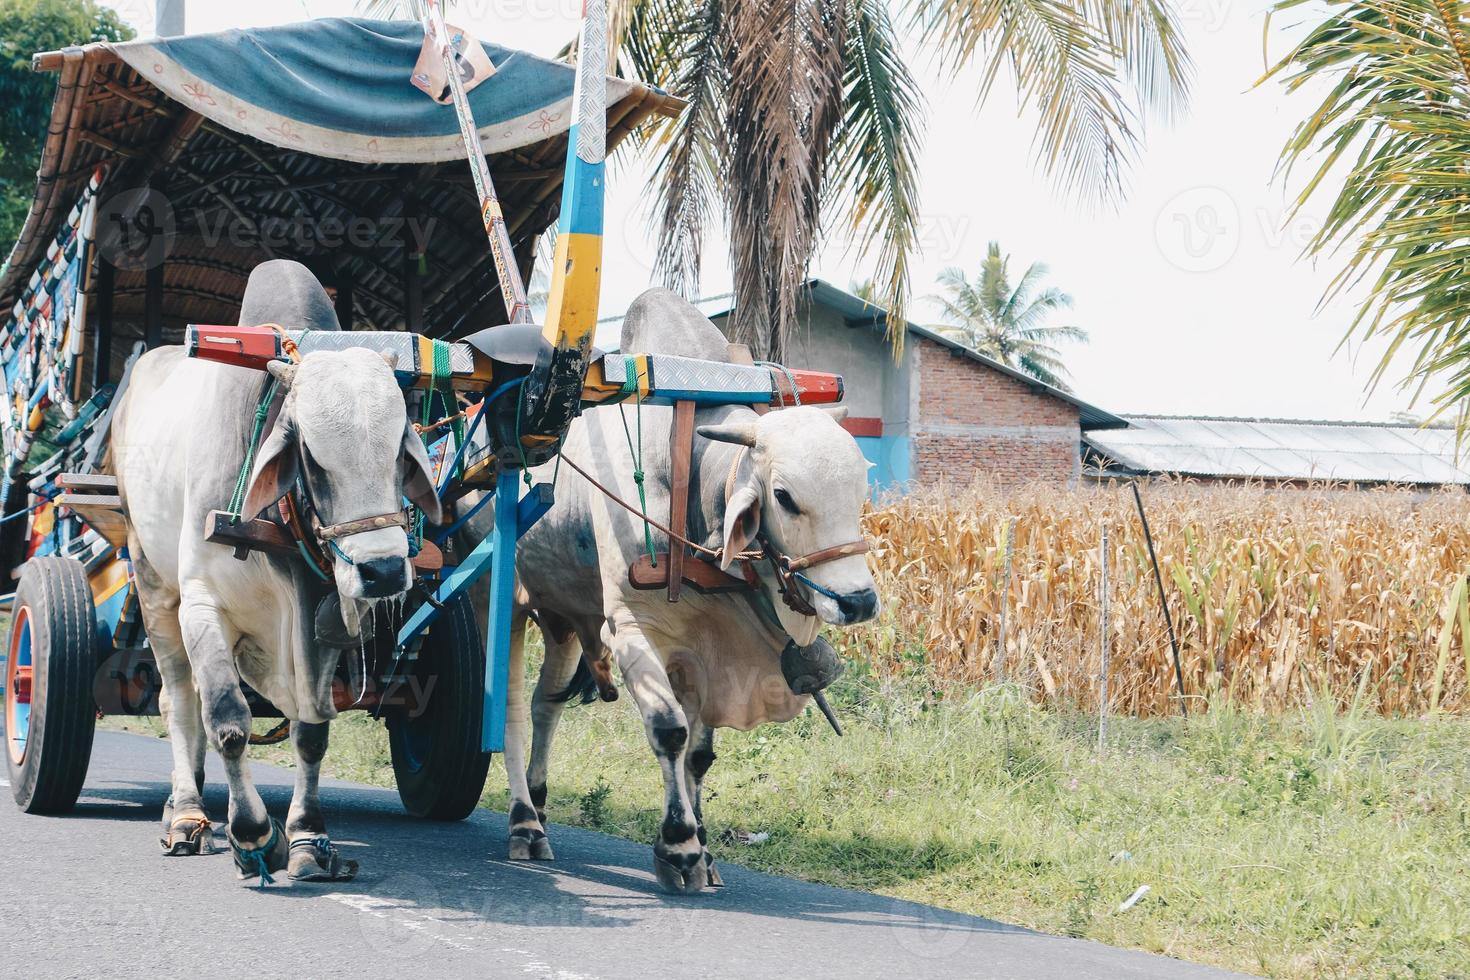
x=1005 y=602
x=1163 y=598
x=1102 y=697
x=512 y=289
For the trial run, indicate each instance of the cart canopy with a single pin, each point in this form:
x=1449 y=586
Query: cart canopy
x=309 y=142
x=340 y=88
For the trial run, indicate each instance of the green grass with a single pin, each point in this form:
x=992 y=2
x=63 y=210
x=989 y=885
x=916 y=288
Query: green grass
x=1307 y=846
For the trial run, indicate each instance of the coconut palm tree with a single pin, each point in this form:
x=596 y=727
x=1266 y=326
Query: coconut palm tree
x=805 y=110
x=1005 y=323
x=1389 y=150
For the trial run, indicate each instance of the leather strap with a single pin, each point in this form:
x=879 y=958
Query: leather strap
x=681 y=449
x=332 y=532
x=826 y=554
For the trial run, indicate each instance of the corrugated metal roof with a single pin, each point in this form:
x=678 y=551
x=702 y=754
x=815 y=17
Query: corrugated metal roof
x=1283 y=449
x=854 y=309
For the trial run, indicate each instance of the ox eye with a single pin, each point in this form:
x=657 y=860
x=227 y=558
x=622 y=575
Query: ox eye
x=784 y=499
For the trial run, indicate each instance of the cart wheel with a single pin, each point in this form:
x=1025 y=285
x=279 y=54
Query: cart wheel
x=50 y=713
x=436 y=747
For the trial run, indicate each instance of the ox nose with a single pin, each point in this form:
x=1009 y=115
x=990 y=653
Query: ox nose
x=858 y=606
x=383 y=577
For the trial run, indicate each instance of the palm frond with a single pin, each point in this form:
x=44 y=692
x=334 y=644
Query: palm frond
x=783 y=107
x=1397 y=116
x=874 y=171
x=392 y=9
x=1068 y=70
x=689 y=172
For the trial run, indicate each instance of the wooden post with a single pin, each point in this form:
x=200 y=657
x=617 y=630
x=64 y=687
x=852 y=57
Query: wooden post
x=102 y=345
x=413 y=291
x=1102 y=696
x=1005 y=601
x=153 y=306
x=344 y=301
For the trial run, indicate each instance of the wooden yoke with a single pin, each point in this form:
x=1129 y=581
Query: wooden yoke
x=681 y=453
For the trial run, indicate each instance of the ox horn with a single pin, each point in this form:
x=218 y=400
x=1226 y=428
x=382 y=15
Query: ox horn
x=736 y=433
x=282 y=371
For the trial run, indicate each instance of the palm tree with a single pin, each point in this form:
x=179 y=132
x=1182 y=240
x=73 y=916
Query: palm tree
x=1396 y=119
x=1008 y=324
x=801 y=110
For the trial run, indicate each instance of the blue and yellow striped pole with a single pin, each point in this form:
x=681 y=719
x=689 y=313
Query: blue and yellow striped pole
x=554 y=390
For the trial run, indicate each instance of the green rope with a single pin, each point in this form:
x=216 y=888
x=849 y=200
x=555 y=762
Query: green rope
x=242 y=482
x=638 y=470
x=441 y=372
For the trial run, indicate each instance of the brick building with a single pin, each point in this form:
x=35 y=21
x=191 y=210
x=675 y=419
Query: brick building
x=941 y=412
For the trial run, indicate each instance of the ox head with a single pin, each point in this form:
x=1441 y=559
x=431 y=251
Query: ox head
x=344 y=433
x=804 y=494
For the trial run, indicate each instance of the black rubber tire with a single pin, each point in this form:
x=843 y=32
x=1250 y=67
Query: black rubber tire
x=437 y=760
x=63 y=642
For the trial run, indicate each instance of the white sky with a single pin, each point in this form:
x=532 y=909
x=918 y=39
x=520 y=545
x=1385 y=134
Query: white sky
x=1192 y=288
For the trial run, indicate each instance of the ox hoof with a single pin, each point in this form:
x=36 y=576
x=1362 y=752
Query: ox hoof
x=531 y=849
x=712 y=874
x=317 y=859
x=679 y=877
x=259 y=862
x=188 y=836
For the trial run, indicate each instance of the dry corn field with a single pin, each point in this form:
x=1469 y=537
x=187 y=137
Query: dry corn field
x=1279 y=597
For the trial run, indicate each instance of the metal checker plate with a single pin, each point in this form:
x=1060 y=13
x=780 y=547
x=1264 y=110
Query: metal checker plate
x=697 y=380
x=405 y=345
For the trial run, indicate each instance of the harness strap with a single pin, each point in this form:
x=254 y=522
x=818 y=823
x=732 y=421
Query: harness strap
x=332 y=532
x=681 y=451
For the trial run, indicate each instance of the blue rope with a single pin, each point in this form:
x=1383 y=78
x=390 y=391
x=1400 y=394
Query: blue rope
x=443 y=537
x=486 y=403
x=256 y=857
x=301 y=547
x=340 y=553
x=815 y=587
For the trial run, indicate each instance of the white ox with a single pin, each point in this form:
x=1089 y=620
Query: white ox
x=178 y=442
x=794 y=478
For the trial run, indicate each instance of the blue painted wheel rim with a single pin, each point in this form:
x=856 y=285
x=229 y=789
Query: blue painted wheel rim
x=415 y=737
x=17 y=700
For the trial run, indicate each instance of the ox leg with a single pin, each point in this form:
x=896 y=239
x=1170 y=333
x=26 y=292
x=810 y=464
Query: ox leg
x=313 y=856
x=257 y=842
x=186 y=827
x=185 y=824
x=697 y=761
x=678 y=857
x=563 y=654
x=527 y=837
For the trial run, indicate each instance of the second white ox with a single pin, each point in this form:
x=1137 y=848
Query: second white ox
x=794 y=480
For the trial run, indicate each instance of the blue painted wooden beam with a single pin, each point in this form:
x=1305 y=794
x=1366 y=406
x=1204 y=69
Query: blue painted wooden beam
x=529 y=510
x=502 y=610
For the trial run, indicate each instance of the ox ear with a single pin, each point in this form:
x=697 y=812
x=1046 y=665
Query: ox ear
x=418 y=482
x=275 y=468
x=838 y=413
x=742 y=523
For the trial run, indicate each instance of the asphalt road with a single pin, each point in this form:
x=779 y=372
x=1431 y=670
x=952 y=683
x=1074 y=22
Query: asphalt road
x=89 y=895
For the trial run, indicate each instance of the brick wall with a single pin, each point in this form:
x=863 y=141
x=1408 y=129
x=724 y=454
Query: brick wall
x=973 y=421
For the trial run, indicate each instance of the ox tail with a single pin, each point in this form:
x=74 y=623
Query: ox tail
x=582 y=688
